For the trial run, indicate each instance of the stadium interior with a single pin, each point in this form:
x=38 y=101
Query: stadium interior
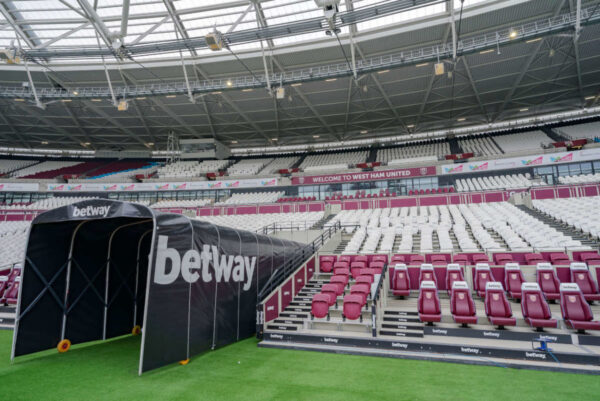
x=439 y=160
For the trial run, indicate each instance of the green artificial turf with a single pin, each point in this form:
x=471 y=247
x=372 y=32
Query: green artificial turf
x=242 y=371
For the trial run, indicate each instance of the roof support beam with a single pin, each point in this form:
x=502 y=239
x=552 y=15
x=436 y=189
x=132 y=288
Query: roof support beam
x=475 y=91
x=150 y=30
x=95 y=19
x=13 y=23
x=63 y=36
x=124 y=18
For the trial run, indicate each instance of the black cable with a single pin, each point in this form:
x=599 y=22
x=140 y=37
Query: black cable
x=343 y=51
x=462 y=3
x=242 y=63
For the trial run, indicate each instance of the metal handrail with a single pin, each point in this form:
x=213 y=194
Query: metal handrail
x=283 y=272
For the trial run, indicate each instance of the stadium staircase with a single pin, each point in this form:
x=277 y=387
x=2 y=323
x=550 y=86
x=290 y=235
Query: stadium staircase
x=455 y=148
x=321 y=223
x=7 y=317
x=372 y=157
x=561 y=227
x=495 y=143
x=299 y=162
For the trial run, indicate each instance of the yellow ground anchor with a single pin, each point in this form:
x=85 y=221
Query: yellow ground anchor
x=184 y=362
x=136 y=330
x=63 y=346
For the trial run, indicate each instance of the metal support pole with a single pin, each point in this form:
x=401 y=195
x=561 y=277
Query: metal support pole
x=68 y=281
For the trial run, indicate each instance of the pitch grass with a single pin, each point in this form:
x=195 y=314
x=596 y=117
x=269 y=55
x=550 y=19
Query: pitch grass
x=108 y=371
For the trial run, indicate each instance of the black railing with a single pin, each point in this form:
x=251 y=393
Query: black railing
x=376 y=296
x=289 y=266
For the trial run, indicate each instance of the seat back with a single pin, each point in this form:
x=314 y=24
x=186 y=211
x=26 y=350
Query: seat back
x=427 y=273
x=326 y=266
x=320 y=305
x=417 y=259
x=355 y=268
x=379 y=258
x=3 y=284
x=428 y=302
x=533 y=303
x=367 y=272
x=462 y=260
x=496 y=304
x=483 y=275
x=480 y=258
x=559 y=259
x=438 y=260
x=341 y=271
x=352 y=306
x=367 y=279
x=581 y=276
x=453 y=273
x=573 y=304
x=533 y=258
x=342 y=280
x=13 y=291
x=513 y=277
x=377 y=265
x=546 y=278
x=397 y=259
x=332 y=291
x=461 y=302
x=360 y=258
x=345 y=258
x=401 y=278
x=503 y=259
x=343 y=264
x=361 y=289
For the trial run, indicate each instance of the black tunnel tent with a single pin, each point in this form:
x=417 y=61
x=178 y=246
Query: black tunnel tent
x=97 y=269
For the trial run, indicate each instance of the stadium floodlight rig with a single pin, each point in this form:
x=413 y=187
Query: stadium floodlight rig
x=330 y=9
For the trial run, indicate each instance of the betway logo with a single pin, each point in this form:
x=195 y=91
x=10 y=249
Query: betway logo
x=535 y=355
x=439 y=331
x=491 y=334
x=330 y=340
x=90 y=211
x=400 y=345
x=194 y=264
x=469 y=350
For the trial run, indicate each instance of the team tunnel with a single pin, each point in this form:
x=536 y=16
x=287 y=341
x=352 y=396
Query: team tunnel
x=101 y=269
x=86 y=281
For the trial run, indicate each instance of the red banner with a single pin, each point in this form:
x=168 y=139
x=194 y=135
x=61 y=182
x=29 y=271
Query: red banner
x=365 y=176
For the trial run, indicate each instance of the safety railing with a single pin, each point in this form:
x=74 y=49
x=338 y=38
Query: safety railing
x=289 y=266
x=287 y=226
x=379 y=300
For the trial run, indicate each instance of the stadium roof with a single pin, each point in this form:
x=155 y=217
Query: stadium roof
x=514 y=58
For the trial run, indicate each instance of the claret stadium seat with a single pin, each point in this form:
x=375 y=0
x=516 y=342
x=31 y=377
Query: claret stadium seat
x=366 y=279
x=581 y=276
x=427 y=273
x=3 y=285
x=548 y=281
x=483 y=275
x=352 y=307
x=369 y=273
x=534 y=307
x=345 y=258
x=429 y=303
x=497 y=307
x=480 y=258
x=356 y=267
x=401 y=281
x=343 y=264
x=438 y=260
x=377 y=266
x=417 y=260
x=332 y=291
x=576 y=312
x=361 y=289
x=12 y=293
x=513 y=278
x=341 y=271
x=326 y=263
x=397 y=259
x=462 y=260
x=559 y=258
x=320 y=306
x=360 y=258
x=379 y=258
x=533 y=258
x=342 y=279
x=453 y=273
x=462 y=306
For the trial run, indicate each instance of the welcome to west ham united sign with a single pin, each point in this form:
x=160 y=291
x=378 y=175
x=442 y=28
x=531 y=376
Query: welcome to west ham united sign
x=365 y=176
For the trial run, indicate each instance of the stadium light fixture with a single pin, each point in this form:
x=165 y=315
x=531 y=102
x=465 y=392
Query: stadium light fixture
x=66 y=100
x=383 y=71
x=297 y=84
x=234 y=141
x=533 y=40
x=364 y=131
x=513 y=34
x=410 y=126
x=247 y=90
x=487 y=51
x=140 y=98
x=75 y=93
x=590 y=97
x=171 y=96
x=422 y=65
x=274 y=139
x=331 y=80
x=315 y=136
x=461 y=119
x=44 y=142
x=524 y=109
x=229 y=83
x=96 y=100
x=19 y=99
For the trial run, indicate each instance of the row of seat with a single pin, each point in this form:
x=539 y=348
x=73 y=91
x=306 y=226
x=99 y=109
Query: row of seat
x=576 y=312
x=546 y=278
x=9 y=286
x=495 y=182
x=579 y=213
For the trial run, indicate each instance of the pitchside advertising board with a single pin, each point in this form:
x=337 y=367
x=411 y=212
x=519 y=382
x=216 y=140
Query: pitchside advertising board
x=191 y=285
x=525 y=161
x=163 y=186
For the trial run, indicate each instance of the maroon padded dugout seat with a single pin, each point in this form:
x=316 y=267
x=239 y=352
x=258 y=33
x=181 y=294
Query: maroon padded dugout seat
x=548 y=281
x=497 y=307
x=503 y=259
x=368 y=272
x=576 y=312
x=581 y=276
x=343 y=264
x=427 y=273
x=352 y=307
x=429 y=303
x=513 y=278
x=483 y=275
x=345 y=258
x=355 y=268
x=590 y=258
x=534 y=307
x=453 y=273
x=401 y=281
x=361 y=289
x=480 y=258
x=462 y=306
x=320 y=305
